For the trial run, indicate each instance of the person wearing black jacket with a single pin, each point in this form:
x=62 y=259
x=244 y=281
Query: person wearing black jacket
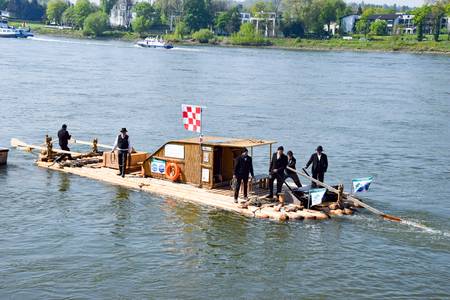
x=277 y=166
x=291 y=164
x=64 y=137
x=123 y=145
x=243 y=167
x=319 y=163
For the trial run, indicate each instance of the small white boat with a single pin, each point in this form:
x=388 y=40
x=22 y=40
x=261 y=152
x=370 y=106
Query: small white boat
x=151 y=42
x=7 y=31
x=3 y=156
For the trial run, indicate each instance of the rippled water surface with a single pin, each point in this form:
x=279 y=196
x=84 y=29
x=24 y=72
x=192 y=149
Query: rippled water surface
x=380 y=114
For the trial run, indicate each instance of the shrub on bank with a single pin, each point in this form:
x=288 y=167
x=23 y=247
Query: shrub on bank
x=95 y=24
x=247 y=36
x=203 y=35
x=141 y=25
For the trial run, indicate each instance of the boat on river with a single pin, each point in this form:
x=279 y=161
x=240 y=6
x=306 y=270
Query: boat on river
x=199 y=171
x=7 y=31
x=154 y=42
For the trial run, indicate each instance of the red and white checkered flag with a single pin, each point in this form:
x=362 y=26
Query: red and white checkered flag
x=192 y=117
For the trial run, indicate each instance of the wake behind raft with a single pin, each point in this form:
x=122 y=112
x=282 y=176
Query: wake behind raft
x=200 y=172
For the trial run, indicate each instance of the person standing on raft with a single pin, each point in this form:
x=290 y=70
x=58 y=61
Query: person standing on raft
x=278 y=164
x=64 y=137
x=242 y=169
x=123 y=146
x=291 y=164
x=319 y=163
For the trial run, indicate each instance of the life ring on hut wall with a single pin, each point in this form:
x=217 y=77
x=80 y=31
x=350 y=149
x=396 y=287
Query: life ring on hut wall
x=173 y=171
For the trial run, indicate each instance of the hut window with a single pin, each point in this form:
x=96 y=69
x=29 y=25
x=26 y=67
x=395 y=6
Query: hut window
x=175 y=151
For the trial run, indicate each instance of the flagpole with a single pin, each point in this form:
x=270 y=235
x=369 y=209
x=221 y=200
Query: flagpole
x=201 y=147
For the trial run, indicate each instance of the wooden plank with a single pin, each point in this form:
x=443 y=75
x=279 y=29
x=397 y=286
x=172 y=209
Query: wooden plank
x=20 y=144
x=192 y=163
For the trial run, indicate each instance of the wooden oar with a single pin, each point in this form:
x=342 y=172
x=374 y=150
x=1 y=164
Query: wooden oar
x=74 y=141
x=349 y=197
x=20 y=144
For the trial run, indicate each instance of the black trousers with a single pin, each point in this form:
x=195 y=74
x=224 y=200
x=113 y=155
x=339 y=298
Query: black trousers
x=244 y=180
x=294 y=177
x=280 y=180
x=319 y=176
x=123 y=157
x=65 y=148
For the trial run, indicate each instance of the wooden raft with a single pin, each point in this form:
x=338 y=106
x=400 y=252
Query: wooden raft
x=185 y=192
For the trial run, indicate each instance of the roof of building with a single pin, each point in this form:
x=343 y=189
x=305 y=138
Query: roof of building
x=228 y=142
x=350 y=15
x=383 y=17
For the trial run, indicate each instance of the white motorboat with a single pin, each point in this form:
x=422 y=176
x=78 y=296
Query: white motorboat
x=7 y=31
x=151 y=42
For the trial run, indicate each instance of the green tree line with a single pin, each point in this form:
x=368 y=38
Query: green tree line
x=295 y=18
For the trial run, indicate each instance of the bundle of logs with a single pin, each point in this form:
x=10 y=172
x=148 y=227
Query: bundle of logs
x=69 y=158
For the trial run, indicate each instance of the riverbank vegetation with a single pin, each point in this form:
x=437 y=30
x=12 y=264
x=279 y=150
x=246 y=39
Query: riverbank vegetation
x=297 y=24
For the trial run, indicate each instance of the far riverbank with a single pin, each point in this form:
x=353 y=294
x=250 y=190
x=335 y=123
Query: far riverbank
x=405 y=43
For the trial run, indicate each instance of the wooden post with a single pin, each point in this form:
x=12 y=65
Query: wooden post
x=49 y=144
x=95 y=145
x=281 y=198
x=340 y=200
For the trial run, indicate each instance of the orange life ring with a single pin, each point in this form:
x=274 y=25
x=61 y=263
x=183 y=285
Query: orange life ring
x=173 y=171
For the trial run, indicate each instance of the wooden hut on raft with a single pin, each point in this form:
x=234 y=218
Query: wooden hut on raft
x=208 y=163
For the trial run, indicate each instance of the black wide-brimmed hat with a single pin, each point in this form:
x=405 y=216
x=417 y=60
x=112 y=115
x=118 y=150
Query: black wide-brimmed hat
x=244 y=150
x=124 y=130
x=281 y=148
x=319 y=148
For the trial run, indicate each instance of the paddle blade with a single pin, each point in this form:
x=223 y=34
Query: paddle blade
x=17 y=143
x=391 y=218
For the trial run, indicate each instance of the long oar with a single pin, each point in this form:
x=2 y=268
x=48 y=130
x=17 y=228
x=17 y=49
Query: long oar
x=74 y=141
x=20 y=144
x=349 y=197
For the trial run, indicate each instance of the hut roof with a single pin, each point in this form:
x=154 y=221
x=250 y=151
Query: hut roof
x=227 y=142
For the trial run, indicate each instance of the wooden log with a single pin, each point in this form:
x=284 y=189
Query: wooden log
x=74 y=141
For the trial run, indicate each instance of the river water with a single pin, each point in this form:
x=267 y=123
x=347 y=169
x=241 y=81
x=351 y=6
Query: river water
x=385 y=115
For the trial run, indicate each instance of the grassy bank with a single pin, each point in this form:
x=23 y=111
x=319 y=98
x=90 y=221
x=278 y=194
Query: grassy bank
x=39 y=28
x=382 y=43
x=405 y=43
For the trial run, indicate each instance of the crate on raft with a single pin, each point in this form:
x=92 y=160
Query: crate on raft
x=134 y=163
x=3 y=156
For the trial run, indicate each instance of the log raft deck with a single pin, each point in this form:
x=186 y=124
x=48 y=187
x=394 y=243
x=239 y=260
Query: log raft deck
x=206 y=172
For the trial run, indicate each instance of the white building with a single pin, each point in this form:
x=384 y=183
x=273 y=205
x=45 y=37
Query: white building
x=348 y=23
x=122 y=13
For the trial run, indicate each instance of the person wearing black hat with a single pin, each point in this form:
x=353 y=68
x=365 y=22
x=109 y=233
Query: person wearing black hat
x=123 y=146
x=242 y=168
x=64 y=137
x=291 y=164
x=319 y=163
x=277 y=166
